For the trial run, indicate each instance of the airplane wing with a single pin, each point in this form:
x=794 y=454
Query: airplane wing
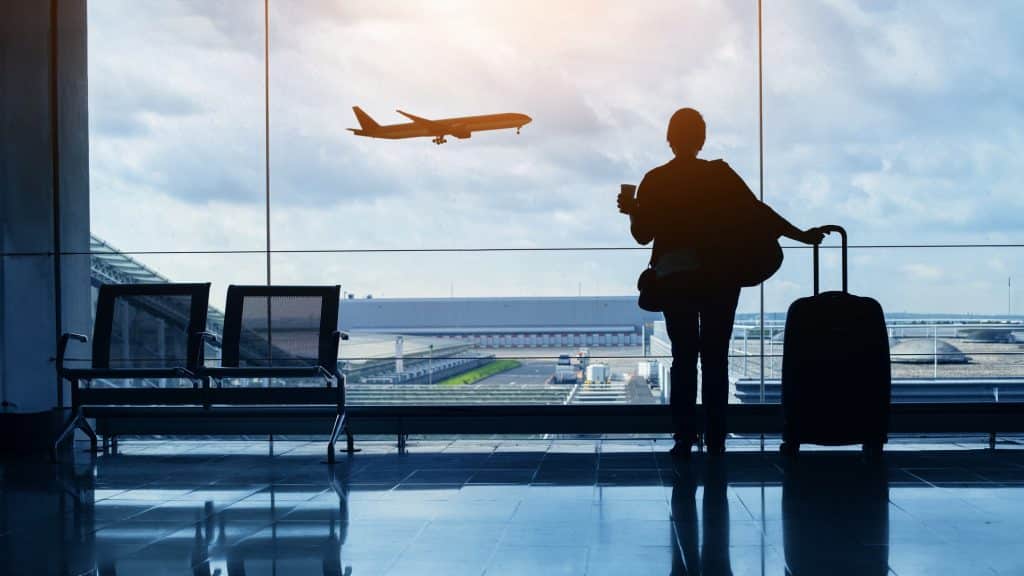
x=439 y=128
x=419 y=120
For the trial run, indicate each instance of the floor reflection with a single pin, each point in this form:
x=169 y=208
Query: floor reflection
x=835 y=515
x=46 y=519
x=213 y=553
x=243 y=538
x=692 y=555
x=547 y=508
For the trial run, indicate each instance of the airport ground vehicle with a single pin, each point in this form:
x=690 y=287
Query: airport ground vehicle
x=565 y=372
x=598 y=374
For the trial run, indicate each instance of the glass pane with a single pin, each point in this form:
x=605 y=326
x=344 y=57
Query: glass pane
x=175 y=128
x=896 y=119
x=176 y=147
x=529 y=323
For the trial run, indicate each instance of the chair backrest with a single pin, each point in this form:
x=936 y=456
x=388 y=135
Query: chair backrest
x=149 y=325
x=279 y=326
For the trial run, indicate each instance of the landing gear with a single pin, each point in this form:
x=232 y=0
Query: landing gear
x=518 y=128
x=439 y=140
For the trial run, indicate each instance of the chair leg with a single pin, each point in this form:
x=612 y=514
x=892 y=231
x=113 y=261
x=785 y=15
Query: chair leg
x=93 y=439
x=68 y=429
x=339 y=425
x=76 y=422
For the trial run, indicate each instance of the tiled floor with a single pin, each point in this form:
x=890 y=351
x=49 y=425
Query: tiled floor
x=514 y=507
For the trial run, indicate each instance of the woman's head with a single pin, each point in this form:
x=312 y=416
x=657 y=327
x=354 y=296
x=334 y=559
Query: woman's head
x=686 y=132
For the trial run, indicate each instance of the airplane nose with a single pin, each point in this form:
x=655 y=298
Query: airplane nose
x=526 y=119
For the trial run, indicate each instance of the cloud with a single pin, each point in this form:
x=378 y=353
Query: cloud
x=131 y=105
x=923 y=271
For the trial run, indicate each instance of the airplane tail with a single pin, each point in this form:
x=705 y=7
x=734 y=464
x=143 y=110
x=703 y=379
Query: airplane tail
x=365 y=122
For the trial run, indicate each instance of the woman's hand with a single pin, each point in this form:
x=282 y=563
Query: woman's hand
x=811 y=236
x=627 y=203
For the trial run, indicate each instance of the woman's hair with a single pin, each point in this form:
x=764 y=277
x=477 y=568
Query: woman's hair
x=686 y=130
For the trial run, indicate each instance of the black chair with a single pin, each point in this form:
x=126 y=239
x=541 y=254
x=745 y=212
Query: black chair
x=142 y=332
x=281 y=332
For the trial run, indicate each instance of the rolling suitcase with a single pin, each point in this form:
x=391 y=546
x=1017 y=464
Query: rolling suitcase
x=836 y=379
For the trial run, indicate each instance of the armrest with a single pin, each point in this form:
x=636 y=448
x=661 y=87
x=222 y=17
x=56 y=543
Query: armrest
x=332 y=375
x=327 y=375
x=205 y=336
x=185 y=373
x=63 y=346
x=336 y=337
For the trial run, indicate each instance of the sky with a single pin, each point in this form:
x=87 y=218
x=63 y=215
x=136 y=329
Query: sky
x=899 y=120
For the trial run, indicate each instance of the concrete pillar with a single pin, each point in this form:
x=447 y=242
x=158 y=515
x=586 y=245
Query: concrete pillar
x=31 y=159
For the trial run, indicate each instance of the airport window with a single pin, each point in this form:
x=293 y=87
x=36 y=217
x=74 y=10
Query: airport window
x=491 y=266
x=901 y=135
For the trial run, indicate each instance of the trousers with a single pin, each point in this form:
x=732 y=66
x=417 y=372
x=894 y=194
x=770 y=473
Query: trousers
x=699 y=322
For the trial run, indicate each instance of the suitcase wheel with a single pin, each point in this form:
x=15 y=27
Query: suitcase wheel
x=789 y=448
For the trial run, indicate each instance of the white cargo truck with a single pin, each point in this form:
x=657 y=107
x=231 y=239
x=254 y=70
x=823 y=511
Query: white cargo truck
x=598 y=374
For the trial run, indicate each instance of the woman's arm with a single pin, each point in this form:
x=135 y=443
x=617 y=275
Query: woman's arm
x=640 y=228
x=640 y=224
x=787 y=229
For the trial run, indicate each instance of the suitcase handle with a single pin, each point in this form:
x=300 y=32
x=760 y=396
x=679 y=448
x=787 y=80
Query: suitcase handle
x=828 y=229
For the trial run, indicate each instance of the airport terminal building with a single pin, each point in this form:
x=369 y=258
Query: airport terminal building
x=597 y=321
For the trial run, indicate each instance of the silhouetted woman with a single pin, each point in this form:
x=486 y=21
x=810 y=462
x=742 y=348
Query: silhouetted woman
x=686 y=206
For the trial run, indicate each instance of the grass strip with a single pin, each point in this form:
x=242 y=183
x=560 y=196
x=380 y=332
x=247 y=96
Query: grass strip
x=477 y=374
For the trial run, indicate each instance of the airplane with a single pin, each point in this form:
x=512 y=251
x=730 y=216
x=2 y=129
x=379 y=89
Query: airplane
x=462 y=127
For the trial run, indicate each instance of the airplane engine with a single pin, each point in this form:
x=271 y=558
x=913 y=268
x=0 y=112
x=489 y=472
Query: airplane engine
x=462 y=135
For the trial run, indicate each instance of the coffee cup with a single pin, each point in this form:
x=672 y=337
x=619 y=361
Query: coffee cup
x=627 y=198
